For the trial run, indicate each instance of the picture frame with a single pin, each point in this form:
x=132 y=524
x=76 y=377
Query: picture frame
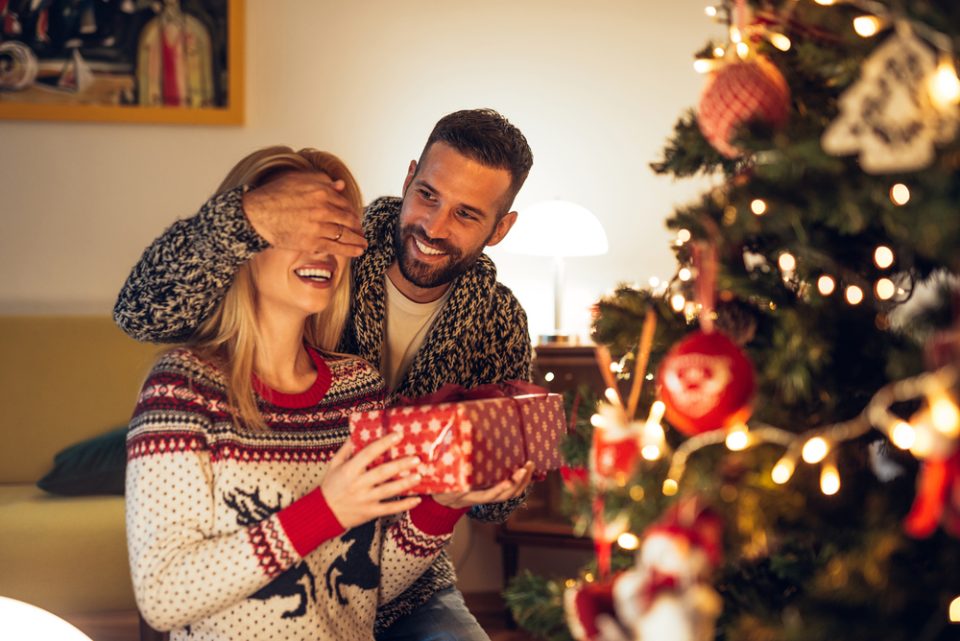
x=167 y=61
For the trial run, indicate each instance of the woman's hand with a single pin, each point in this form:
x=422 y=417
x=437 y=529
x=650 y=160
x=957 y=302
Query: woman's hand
x=357 y=493
x=503 y=491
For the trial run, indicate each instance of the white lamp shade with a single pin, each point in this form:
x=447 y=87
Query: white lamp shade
x=556 y=228
x=21 y=621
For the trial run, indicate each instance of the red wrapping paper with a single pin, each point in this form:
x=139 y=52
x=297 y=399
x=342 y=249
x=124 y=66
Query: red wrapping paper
x=470 y=443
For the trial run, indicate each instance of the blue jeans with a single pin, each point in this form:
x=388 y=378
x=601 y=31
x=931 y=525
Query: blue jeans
x=444 y=617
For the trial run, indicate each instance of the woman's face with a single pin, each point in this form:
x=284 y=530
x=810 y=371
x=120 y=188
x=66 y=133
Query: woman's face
x=294 y=281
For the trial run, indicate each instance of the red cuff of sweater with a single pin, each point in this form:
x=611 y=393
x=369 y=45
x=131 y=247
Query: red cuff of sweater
x=309 y=522
x=435 y=519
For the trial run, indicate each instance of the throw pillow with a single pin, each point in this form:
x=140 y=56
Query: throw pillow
x=95 y=466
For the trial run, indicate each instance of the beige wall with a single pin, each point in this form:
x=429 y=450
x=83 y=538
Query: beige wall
x=595 y=86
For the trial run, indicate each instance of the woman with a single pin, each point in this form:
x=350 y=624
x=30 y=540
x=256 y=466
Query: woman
x=247 y=515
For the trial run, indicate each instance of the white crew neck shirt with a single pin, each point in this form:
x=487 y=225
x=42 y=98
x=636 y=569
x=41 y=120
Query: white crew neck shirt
x=408 y=323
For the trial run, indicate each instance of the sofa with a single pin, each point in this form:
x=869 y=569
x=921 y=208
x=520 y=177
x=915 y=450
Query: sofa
x=64 y=380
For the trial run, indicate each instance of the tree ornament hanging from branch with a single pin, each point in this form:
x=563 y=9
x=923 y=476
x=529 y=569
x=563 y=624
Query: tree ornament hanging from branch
x=746 y=87
x=740 y=92
x=889 y=116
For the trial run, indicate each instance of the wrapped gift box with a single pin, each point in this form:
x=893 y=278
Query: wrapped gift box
x=470 y=444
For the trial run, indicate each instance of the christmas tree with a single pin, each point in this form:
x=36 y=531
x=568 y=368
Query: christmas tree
x=777 y=456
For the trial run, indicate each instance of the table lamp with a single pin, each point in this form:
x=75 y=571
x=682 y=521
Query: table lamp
x=559 y=229
x=24 y=622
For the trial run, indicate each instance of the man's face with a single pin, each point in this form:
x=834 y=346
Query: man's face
x=449 y=214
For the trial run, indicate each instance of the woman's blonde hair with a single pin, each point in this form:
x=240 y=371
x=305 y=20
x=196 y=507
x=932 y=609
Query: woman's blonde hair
x=229 y=336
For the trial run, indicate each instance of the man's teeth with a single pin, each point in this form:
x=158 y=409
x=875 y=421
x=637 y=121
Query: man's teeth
x=426 y=249
x=314 y=274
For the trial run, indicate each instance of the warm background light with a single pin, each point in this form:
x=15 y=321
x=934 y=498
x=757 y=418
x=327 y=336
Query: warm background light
x=900 y=194
x=867 y=26
x=826 y=285
x=883 y=257
x=854 y=295
x=885 y=289
x=815 y=450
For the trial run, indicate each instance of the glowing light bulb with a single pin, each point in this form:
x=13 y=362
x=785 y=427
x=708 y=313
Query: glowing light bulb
x=829 y=479
x=758 y=206
x=657 y=408
x=588 y=577
x=735 y=35
x=683 y=235
x=944 y=85
x=743 y=49
x=885 y=289
x=719 y=52
x=854 y=295
x=944 y=414
x=677 y=302
x=903 y=435
x=867 y=26
x=955 y=610
x=900 y=194
x=650 y=452
x=684 y=274
x=826 y=285
x=711 y=11
x=738 y=438
x=670 y=487
x=883 y=257
x=815 y=450
x=826 y=3
x=637 y=493
x=783 y=470
x=597 y=420
x=616 y=367
x=704 y=65
x=628 y=541
x=612 y=395
x=780 y=41
x=549 y=376
x=787 y=262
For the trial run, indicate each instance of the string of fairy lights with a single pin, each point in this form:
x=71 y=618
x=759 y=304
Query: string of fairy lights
x=931 y=431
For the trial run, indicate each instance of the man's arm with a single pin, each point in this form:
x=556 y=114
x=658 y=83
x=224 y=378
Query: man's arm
x=183 y=274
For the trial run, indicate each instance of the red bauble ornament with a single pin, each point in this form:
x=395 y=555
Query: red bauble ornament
x=740 y=92
x=706 y=383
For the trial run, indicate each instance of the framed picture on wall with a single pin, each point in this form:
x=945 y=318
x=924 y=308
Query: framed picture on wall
x=145 y=61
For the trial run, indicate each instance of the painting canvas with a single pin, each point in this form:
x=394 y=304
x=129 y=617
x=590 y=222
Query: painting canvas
x=176 y=61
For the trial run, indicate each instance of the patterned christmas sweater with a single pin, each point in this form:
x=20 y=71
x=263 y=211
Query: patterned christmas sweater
x=480 y=335
x=229 y=534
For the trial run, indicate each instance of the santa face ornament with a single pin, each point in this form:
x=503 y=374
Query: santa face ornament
x=706 y=383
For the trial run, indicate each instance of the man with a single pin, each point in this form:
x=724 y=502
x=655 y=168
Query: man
x=427 y=308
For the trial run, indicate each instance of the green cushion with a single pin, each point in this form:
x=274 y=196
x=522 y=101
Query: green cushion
x=91 y=467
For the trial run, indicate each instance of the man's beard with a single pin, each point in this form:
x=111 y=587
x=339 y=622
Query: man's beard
x=422 y=274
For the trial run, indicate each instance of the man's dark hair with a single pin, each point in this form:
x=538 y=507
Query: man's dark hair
x=489 y=138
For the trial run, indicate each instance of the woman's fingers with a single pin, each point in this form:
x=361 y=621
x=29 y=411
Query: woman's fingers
x=372 y=451
x=394 y=488
x=389 y=470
